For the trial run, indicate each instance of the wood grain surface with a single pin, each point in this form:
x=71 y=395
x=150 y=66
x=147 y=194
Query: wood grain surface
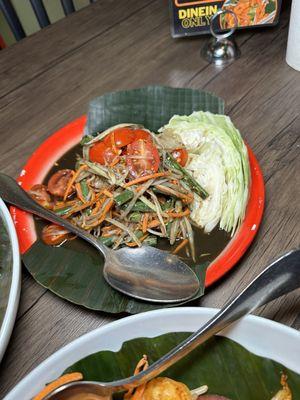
x=48 y=79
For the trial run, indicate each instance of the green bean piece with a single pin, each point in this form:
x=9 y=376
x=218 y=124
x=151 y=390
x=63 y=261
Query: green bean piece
x=84 y=189
x=138 y=234
x=141 y=207
x=124 y=197
x=135 y=216
x=193 y=184
x=168 y=205
x=150 y=241
x=168 y=228
x=63 y=211
x=108 y=241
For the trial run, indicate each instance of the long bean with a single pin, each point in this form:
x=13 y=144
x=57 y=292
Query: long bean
x=140 y=207
x=193 y=184
x=124 y=197
x=84 y=189
x=136 y=196
x=135 y=216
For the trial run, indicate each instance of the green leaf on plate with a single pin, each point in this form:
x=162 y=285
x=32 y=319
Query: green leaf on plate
x=6 y=262
x=151 y=106
x=225 y=366
x=75 y=274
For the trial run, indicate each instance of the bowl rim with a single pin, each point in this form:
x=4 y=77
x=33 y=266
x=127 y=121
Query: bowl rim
x=15 y=286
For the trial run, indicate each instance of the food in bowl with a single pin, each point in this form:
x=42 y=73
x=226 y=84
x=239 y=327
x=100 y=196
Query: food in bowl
x=161 y=388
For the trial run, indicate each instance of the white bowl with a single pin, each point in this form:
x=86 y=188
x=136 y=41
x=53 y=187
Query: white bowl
x=259 y=335
x=14 y=293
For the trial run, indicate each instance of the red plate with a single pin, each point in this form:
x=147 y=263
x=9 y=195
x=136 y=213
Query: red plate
x=64 y=139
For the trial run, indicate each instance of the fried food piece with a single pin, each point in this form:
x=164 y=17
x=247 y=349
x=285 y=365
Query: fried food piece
x=166 y=389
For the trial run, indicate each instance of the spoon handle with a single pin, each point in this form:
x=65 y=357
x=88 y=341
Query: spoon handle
x=12 y=193
x=281 y=277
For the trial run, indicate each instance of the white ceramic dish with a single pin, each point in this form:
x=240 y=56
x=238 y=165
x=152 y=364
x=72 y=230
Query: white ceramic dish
x=8 y=321
x=261 y=336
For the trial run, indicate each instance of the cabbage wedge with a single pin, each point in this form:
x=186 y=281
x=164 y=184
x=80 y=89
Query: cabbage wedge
x=218 y=161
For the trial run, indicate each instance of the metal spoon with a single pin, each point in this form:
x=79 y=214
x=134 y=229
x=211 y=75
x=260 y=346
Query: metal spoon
x=279 y=278
x=145 y=273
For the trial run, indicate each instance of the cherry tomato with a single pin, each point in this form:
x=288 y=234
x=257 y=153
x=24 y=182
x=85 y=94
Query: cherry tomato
x=40 y=195
x=97 y=152
x=141 y=134
x=142 y=158
x=54 y=235
x=120 y=137
x=110 y=156
x=103 y=154
x=57 y=184
x=181 y=156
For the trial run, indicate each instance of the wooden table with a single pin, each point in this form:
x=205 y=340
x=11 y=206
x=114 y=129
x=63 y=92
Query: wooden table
x=48 y=79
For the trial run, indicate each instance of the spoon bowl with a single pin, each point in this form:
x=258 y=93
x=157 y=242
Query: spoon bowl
x=145 y=273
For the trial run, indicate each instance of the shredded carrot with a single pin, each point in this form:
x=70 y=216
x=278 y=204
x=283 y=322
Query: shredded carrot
x=62 y=204
x=72 y=180
x=72 y=377
x=107 y=193
x=154 y=223
x=96 y=208
x=179 y=214
x=145 y=223
x=134 y=244
x=111 y=233
x=82 y=206
x=181 y=246
x=79 y=192
x=115 y=161
x=188 y=199
x=107 y=228
x=113 y=142
x=145 y=178
x=137 y=393
x=102 y=216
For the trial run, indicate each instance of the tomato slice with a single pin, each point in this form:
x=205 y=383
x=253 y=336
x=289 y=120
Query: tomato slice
x=111 y=156
x=97 y=152
x=141 y=134
x=120 y=137
x=181 y=156
x=103 y=154
x=106 y=151
x=142 y=158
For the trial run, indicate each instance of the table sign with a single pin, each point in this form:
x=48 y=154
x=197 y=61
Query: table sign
x=192 y=17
